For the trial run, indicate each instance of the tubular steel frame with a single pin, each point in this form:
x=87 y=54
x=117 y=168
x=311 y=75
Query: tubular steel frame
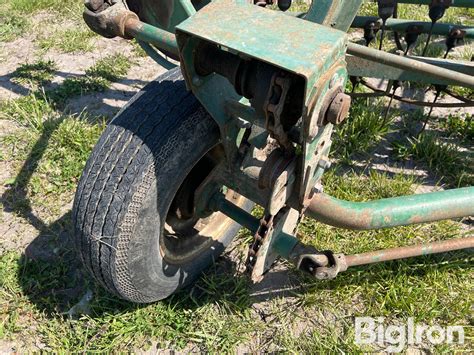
x=190 y=36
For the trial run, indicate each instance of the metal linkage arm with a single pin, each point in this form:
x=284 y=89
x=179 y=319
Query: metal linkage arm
x=326 y=264
x=117 y=20
x=410 y=64
x=392 y=212
x=409 y=251
x=162 y=39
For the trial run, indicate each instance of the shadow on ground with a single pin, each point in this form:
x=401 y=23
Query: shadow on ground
x=53 y=279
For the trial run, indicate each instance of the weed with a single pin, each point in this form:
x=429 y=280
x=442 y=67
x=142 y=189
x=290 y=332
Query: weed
x=76 y=86
x=68 y=149
x=111 y=68
x=137 y=49
x=30 y=111
x=434 y=153
x=37 y=73
x=459 y=126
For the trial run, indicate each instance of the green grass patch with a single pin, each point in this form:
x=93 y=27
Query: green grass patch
x=215 y=315
x=453 y=166
x=98 y=78
x=444 y=158
x=111 y=68
x=31 y=111
x=362 y=130
x=395 y=290
x=61 y=164
x=30 y=7
x=461 y=126
x=38 y=73
x=73 y=40
x=40 y=102
x=12 y=25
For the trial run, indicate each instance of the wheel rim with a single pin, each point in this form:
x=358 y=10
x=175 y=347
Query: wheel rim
x=184 y=236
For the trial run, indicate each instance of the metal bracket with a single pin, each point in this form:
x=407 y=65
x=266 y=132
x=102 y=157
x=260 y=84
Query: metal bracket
x=323 y=265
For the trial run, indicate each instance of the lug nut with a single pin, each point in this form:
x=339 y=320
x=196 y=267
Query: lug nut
x=338 y=109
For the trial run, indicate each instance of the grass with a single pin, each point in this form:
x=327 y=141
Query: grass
x=362 y=130
x=38 y=73
x=445 y=150
x=72 y=40
x=11 y=26
x=217 y=314
x=31 y=7
x=63 y=141
x=41 y=289
x=97 y=78
x=15 y=16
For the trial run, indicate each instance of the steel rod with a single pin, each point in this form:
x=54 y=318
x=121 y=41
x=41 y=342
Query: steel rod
x=409 y=251
x=454 y=3
x=392 y=212
x=401 y=25
x=242 y=217
x=162 y=39
x=366 y=68
x=409 y=64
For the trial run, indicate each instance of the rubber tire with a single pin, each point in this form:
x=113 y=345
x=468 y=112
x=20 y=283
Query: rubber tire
x=127 y=187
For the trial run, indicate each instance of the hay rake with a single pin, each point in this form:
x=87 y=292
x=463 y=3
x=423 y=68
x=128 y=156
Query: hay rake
x=264 y=88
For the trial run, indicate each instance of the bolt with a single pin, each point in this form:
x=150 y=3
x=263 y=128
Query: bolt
x=317 y=188
x=338 y=108
x=323 y=163
x=197 y=81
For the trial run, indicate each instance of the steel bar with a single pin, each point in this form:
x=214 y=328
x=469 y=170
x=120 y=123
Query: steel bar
x=400 y=25
x=392 y=212
x=409 y=251
x=410 y=64
x=242 y=217
x=162 y=39
x=364 y=68
x=454 y=3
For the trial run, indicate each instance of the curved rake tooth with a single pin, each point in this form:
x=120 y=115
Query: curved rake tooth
x=437 y=10
x=439 y=90
x=386 y=9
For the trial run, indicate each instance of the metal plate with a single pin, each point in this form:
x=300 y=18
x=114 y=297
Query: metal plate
x=296 y=45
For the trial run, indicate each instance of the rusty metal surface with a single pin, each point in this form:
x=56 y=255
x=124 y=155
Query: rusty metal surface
x=300 y=47
x=338 y=108
x=392 y=212
x=333 y=13
x=163 y=40
x=365 y=68
x=410 y=64
x=409 y=251
x=165 y=14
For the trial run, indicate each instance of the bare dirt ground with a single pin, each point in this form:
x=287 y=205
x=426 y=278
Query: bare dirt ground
x=29 y=232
